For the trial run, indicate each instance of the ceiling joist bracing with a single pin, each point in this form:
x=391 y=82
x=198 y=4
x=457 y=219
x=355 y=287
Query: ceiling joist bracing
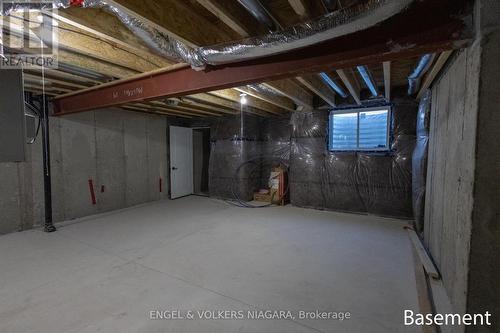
x=429 y=78
x=293 y=91
x=274 y=99
x=316 y=85
x=349 y=85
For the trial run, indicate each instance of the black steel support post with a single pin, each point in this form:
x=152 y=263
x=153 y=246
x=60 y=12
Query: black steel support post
x=44 y=114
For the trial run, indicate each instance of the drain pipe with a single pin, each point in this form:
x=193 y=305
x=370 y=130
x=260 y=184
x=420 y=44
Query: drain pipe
x=338 y=89
x=423 y=66
x=367 y=77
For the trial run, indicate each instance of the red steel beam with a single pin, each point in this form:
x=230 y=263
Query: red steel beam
x=427 y=26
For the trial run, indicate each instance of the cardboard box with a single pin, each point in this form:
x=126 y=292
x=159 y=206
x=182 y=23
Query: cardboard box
x=262 y=197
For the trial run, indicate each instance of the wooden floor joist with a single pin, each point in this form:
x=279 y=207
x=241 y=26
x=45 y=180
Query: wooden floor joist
x=429 y=78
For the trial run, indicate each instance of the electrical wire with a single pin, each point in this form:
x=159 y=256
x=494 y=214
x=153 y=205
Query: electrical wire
x=258 y=162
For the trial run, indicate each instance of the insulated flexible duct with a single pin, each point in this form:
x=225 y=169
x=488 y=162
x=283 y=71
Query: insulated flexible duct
x=341 y=22
x=423 y=66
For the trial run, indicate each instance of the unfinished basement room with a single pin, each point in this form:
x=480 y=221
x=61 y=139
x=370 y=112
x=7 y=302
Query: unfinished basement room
x=273 y=166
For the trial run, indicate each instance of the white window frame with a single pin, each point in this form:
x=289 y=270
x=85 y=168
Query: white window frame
x=358 y=111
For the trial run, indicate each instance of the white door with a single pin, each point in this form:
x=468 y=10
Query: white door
x=181 y=161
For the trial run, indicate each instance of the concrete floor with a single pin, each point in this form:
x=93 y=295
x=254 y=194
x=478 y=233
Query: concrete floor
x=105 y=273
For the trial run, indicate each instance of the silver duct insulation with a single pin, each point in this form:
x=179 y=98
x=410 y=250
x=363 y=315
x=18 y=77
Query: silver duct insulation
x=338 y=23
x=423 y=66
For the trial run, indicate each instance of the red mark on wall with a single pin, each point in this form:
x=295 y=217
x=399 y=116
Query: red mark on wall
x=161 y=184
x=92 y=193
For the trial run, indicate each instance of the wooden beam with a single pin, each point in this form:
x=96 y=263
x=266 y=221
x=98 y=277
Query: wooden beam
x=293 y=91
x=234 y=96
x=224 y=16
x=59 y=75
x=99 y=24
x=387 y=80
x=195 y=111
x=54 y=81
x=429 y=78
x=209 y=99
x=347 y=82
x=71 y=58
x=71 y=52
x=279 y=101
x=316 y=85
x=164 y=16
x=134 y=107
x=201 y=107
x=81 y=44
x=160 y=106
x=180 y=110
x=429 y=266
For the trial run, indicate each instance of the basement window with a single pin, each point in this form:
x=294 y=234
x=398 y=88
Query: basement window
x=364 y=129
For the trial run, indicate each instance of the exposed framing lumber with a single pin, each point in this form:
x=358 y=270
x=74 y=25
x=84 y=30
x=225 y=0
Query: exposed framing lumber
x=444 y=30
x=134 y=107
x=55 y=81
x=163 y=108
x=165 y=18
x=387 y=79
x=234 y=96
x=106 y=27
x=429 y=78
x=293 y=91
x=279 y=101
x=224 y=16
x=208 y=99
x=216 y=101
x=57 y=74
x=233 y=23
x=70 y=55
x=347 y=82
x=423 y=292
x=178 y=109
x=429 y=266
x=299 y=7
x=316 y=85
x=125 y=7
x=196 y=106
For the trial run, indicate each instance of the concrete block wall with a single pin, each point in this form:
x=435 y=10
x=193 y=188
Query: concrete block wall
x=123 y=153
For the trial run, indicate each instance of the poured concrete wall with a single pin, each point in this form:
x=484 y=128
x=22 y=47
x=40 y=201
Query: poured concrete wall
x=22 y=187
x=123 y=153
x=450 y=174
x=484 y=275
x=462 y=217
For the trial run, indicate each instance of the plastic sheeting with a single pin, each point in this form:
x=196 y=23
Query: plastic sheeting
x=234 y=141
x=419 y=163
x=244 y=149
x=364 y=182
